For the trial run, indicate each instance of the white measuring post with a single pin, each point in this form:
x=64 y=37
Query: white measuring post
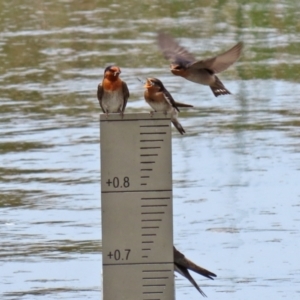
x=136 y=206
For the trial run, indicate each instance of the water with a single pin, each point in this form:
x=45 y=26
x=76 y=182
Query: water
x=236 y=171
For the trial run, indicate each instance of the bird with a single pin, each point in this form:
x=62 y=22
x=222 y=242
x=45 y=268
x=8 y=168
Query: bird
x=182 y=265
x=184 y=64
x=112 y=93
x=157 y=96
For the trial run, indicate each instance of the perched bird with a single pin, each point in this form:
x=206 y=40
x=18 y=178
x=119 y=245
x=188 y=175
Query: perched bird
x=113 y=93
x=157 y=96
x=203 y=71
x=182 y=265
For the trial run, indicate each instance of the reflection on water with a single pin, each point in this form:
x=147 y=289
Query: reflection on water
x=236 y=182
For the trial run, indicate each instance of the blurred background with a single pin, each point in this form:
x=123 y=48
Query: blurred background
x=235 y=172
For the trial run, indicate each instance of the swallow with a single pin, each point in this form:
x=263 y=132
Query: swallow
x=113 y=93
x=182 y=265
x=203 y=71
x=157 y=96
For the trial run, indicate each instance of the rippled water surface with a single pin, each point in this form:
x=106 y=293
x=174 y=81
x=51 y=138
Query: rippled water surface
x=236 y=172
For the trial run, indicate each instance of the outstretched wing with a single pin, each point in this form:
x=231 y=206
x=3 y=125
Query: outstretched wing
x=220 y=62
x=173 y=51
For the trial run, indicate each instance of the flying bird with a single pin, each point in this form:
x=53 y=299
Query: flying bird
x=184 y=64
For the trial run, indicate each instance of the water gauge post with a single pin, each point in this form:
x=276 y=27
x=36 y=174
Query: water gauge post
x=136 y=207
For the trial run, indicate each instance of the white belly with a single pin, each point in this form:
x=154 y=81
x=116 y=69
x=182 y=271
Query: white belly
x=113 y=101
x=201 y=76
x=164 y=108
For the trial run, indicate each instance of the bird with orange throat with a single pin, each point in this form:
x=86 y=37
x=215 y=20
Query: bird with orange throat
x=112 y=93
x=157 y=96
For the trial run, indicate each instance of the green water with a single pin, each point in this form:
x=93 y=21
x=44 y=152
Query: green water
x=236 y=172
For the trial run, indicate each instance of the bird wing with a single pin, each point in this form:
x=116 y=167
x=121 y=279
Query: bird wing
x=126 y=95
x=100 y=95
x=170 y=99
x=179 y=104
x=180 y=259
x=199 y=270
x=173 y=51
x=185 y=273
x=220 y=62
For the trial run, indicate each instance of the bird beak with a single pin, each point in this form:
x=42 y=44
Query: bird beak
x=172 y=67
x=148 y=84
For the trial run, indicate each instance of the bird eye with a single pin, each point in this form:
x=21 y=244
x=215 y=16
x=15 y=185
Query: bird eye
x=152 y=83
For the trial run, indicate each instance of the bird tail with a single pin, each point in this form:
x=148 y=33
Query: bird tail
x=177 y=125
x=179 y=104
x=218 y=88
x=185 y=273
x=200 y=270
